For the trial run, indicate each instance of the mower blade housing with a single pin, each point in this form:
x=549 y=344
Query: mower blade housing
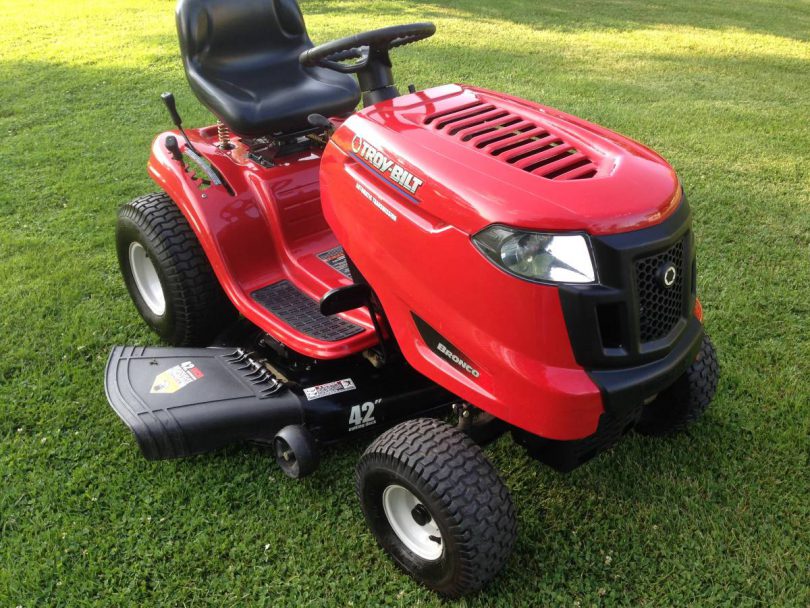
x=184 y=401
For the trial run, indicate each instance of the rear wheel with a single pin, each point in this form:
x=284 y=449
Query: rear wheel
x=167 y=273
x=437 y=506
x=685 y=401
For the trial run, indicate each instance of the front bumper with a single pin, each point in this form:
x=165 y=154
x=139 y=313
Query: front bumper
x=632 y=336
x=624 y=392
x=625 y=389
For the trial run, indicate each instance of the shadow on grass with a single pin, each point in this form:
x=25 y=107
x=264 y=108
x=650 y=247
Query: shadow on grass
x=785 y=19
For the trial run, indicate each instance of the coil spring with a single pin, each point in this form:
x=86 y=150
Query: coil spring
x=224 y=135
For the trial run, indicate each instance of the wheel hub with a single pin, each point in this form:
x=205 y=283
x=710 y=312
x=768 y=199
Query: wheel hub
x=412 y=522
x=421 y=515
x=146 y=279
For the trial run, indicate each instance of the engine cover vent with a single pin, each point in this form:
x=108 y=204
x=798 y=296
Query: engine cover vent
x=513 y=139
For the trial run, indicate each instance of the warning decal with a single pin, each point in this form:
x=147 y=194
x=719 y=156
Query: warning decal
x=331 y=388
x=336 y=258
x=175 y=378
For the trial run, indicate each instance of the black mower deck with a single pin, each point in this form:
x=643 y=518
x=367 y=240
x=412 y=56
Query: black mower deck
x=184 y=401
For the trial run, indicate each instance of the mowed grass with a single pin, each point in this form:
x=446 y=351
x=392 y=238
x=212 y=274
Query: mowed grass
x=719 y=516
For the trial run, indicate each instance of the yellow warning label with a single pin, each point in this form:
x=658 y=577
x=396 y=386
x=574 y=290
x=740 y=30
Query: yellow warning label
x=175 y=378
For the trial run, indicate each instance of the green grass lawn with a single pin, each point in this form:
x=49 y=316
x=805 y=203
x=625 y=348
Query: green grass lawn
x=716 y=517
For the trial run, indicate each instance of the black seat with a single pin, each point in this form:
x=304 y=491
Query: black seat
x=241 y=59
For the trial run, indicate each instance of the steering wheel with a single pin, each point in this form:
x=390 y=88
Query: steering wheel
x=368 y=46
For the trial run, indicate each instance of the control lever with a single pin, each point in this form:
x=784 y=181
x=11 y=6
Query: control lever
x=171 y=106
x=174 y=149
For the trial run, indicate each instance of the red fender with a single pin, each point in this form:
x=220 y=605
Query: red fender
x=269 y=228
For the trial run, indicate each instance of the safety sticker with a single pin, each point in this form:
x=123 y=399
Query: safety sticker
x=330 y=388
x=336 y=258
x=175 y=378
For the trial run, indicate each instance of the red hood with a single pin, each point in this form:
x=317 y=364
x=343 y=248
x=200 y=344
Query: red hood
x=489 y=158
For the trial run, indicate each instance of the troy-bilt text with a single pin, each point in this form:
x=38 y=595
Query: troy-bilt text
x=385 y=165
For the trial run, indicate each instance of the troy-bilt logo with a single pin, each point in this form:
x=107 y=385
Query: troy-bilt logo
x=458 y=360
x=397 y=174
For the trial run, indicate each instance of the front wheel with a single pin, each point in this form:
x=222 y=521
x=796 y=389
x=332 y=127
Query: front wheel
x=437 y=506
x=685 y=401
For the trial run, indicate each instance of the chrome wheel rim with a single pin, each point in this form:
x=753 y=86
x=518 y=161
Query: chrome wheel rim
x=146 y=279
x=412 y=523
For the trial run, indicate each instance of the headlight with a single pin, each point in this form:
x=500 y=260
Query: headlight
x=554 y=258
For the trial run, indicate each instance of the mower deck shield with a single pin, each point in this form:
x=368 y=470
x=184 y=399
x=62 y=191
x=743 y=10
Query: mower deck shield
x=184 y=401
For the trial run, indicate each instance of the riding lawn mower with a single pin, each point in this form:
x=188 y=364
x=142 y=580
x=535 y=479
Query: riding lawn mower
x=432 y=271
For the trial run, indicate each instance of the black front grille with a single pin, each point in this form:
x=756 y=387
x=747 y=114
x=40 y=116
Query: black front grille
x=659 y=306
x=630 y=318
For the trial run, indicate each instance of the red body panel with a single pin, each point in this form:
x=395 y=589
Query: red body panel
x=415 y=247
x=271 y=229
x=512 y=331
x=466 y=188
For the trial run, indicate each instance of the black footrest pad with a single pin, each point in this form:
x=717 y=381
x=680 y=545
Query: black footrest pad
x=301 y=312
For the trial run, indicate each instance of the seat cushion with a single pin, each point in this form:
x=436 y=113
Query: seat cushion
x=241 y=60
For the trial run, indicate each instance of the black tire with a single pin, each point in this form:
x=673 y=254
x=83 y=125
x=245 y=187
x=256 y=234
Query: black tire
x=685 y=401
x=463 y=496
x=295 y=451
x=196 y=309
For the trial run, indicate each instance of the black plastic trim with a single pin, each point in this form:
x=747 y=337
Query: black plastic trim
x=444 y=349
x=627 y=371
x=625 y=388
x=624 y=392
x=227 y=404
x=615 y=256
x=236 y=397
x=565 y=456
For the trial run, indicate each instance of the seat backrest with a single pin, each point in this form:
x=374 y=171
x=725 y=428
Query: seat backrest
x=240 y=34
x=241 y=60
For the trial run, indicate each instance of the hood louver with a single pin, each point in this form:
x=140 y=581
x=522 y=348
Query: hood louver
x=513 y=139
